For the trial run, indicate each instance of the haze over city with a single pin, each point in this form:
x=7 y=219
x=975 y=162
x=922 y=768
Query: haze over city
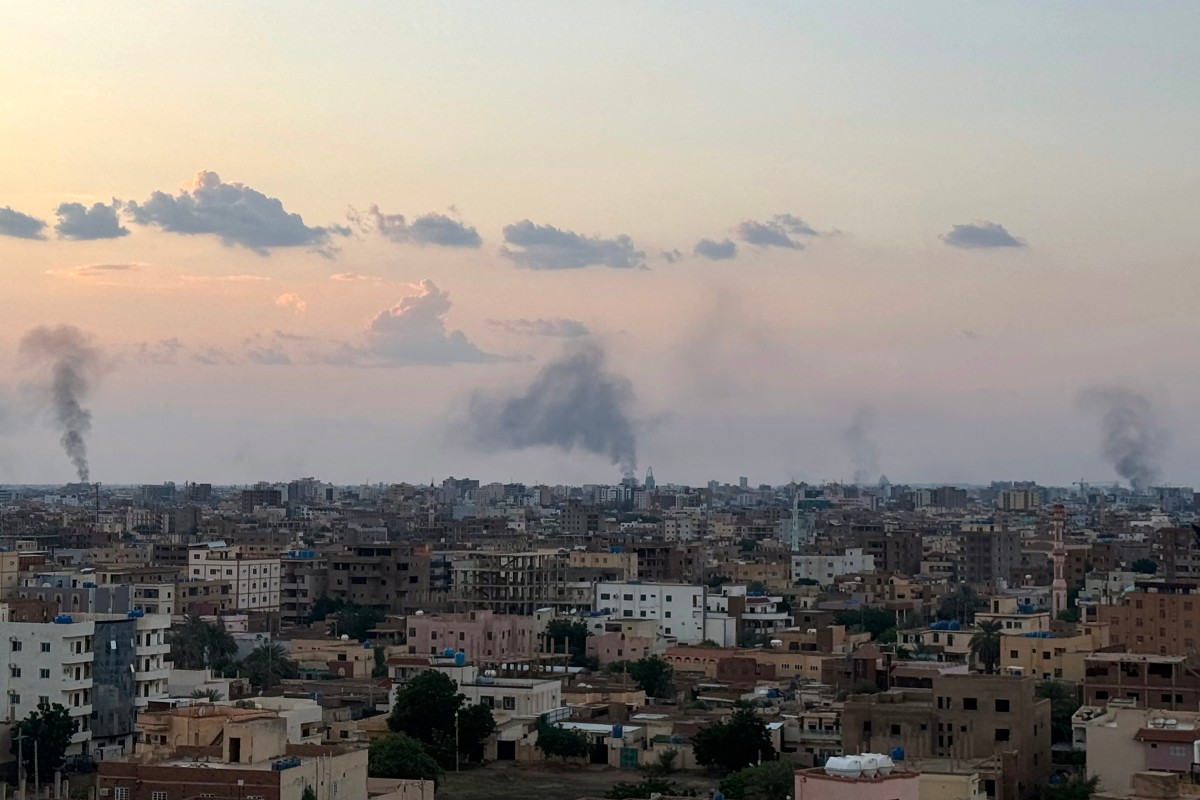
x=560 y=243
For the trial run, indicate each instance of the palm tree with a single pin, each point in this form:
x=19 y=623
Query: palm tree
x=985 y=644
x=268 y=665
x=197 y=644
x=211 y=695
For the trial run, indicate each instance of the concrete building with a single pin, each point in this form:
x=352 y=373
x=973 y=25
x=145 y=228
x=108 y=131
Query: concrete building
x=1142 y=680
x=679 y=609
x=1156 y=618
x=390 y=576
x=825 y=569
x=988 y=553
x=823 y=784
x=255 y=579
x=304 y=578
x=508 y=582
x=1019 y=500
x=616 y=564
x=483 y=635
x=1122 y=742
x=1050 y=655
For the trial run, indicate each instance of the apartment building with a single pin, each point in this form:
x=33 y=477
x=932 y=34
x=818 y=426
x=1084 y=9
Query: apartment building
x=893 y=551
x=304 y=578
x=826 y=569
x=508 y=582
x=963 y=717
x=1123 y=741
x=1141 y=679
x=1156 y=618
x=1050 y=655
x=390 y=576
x=988 y=553
x=679 y=608
x=615 y=564
x=255 y=578
x=483 y=635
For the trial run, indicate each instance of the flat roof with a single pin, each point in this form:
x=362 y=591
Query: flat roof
x=1147 y=657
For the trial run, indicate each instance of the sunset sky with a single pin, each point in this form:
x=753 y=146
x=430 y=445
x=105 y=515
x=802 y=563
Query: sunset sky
x=816 y=238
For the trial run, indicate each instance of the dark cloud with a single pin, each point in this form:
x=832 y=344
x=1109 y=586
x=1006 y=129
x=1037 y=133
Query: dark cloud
x=77 y=221
x=568 y=328
x=574 y=401
x=716 y=251
x=268 y=357
x=979 y=235
x=671 y=256
x=547 y=247
x=430 y=229
x=1133 y=436
x=779 y=231
x=21 y=226
x=414 y=332
x=233 y=212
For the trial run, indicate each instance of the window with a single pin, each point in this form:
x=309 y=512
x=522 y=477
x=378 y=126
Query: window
x=1002 y=706
x=1001 y=734
x=16 y=672
x=158 y=796
x=668 y=598
x=121 y=793
x=895 y=730
x=45 y=647
x=14 y=698
x=970 y=704
x=44 y=674
x=16 y=645
x=510 y=703
x=1013 y=654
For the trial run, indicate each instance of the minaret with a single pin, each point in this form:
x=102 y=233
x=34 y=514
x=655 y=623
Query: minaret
x=649 y=478
x=1058 y=589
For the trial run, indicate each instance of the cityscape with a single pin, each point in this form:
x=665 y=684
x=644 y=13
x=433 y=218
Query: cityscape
x=599 y=401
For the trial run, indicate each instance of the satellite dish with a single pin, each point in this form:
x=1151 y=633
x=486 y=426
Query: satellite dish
x=420 y=613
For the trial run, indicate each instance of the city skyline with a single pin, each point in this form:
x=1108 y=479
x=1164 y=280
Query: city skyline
x=938 y=243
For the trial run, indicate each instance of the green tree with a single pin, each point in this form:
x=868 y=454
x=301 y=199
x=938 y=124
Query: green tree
x=716 y=581
x=310 y=793
x=961 y=604
x=654 y=676
x=985 y=644
x=569 y=634
x=555 y=742
x=323 y=606
x=51 y=727
x=426 y=709
x=645 y=788
x=356 y=621
x=770 y=780
x=1146 y=566
x=379 y=670
x=875 y=621
x=756 y=587
x=663 y=765
x=196 y=644
x=398 y=755
x=735 y=743
x=1077 y=787
x=1064 y=702
x=211 y=695
x=268 y=666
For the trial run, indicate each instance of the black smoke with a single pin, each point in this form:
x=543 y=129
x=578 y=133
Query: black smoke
x=859 y=438
x=1133 y=436
x=574 y=401
x=72 y=363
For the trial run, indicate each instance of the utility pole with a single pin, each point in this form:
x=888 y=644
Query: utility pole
x=21 y=765
x=456 y=740
x=37 y=778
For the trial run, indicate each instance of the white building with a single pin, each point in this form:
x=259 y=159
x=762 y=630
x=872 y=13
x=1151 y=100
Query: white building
x=255 y=579
x=679 y=608
x=825 y=569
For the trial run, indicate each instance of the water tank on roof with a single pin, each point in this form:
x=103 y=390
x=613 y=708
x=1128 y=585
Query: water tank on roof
x=897 y=754
x=870 y=764
x=844 y=766
x=366 y=645
x=63 y=619
x=618 y=731
x=460 y=659
x=953 y=626
x=448 y=652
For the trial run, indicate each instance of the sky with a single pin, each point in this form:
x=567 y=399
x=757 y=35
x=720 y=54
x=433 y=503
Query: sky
x=555 y=242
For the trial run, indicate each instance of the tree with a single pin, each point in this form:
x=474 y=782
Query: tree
x=268 y=666
x=663 y=765
x=961 y=604
x=735 y=743
x=356 y=621
x=985 y=644
x=875 y=621
x=715 y=581
x=51 y=727
x=645 y=788
x=756 y=587
x=770 y=780
x=323 y=606
x=309 y=792
x=211 y=695
x=1077 y=787
x=571 y=635
x=379 y=670
x=426 y=709
x=1145 y=566
x=653 y=676
x=554 y=741
x=196 y=644
x=1064 y=702
x=398 y=755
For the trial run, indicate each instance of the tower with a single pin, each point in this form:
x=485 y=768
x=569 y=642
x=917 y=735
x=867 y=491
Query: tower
x=650 y=478
x=1058 y=589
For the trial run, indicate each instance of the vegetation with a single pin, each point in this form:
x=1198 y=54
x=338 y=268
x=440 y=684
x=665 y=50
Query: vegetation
x=961 y=604
x=654 y=676
x=322 y=607
x=770 y=780
x=426 y=709
x=554 y=741
x=1077 y=787
x=985 y=644
x=357 y=621
x=663 y=765
x=1064 y=702
x=379 y=670
x=398 y=755
x=647 y=788
x=876 y=621
x=1146 y=566
x=211 y=695
x=51 y=727
x=735 y=743
x=197 y=644
x=571 y=635
x=716 y=581
x=268 y=666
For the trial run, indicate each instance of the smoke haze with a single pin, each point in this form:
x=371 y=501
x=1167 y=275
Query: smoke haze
x=574 y=401
x=1133 y=437
x=73 y=363
x=859 y=439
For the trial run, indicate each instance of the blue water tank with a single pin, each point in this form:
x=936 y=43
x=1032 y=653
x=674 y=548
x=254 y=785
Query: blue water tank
x=460 y=659
x=717 y=795
x=366 y=645
x=954 y=626
x=448 y=652
x=897 y=754
x=63 y=619
x=616 y=548
x=618 y=731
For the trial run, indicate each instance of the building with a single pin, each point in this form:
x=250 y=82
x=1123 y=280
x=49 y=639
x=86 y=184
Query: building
x=255 y=579
x=825 y=569
x=1123 y=741
x=508 y=582
x=823 y=783
x=962 y=717
x=679 y=609
x=1156 y=618
x=893 y=551
x=1141 y=680
x=483 y=635
x=304 y=578
x=392 y=577
x=1019 y=500
x=1050 y=655
x=989 y=553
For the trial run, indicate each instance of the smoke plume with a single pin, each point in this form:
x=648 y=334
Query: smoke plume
x=73 y=363
x=1132 y=434
x=573 y=401
x=859 y=439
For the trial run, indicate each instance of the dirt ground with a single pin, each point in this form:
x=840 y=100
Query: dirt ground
x=505 y=780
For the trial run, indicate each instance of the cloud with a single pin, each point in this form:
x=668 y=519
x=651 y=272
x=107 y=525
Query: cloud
x=21 y=226
x=162 y=352
x=970 y=334
x=242 y=278
x=547 y=247
x=269 y=357
x=414 y=332
x=80 y=223
x=430 y=229
x=293 y=301
x=349 y=277
x=779 y=231
x=567 y=328
x=716 y=251
x=235 y=213
x=671 y=256
x=95 y=270
x=981 y=235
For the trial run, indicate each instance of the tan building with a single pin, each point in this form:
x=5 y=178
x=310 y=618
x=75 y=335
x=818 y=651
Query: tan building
x=346 y=659
x=1156 y=618
x=622 y=566
x=389 y=576
x=254 y=579
x=483 y=635
x=1058 y=657
x=773 y=576
x=1122 y=742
